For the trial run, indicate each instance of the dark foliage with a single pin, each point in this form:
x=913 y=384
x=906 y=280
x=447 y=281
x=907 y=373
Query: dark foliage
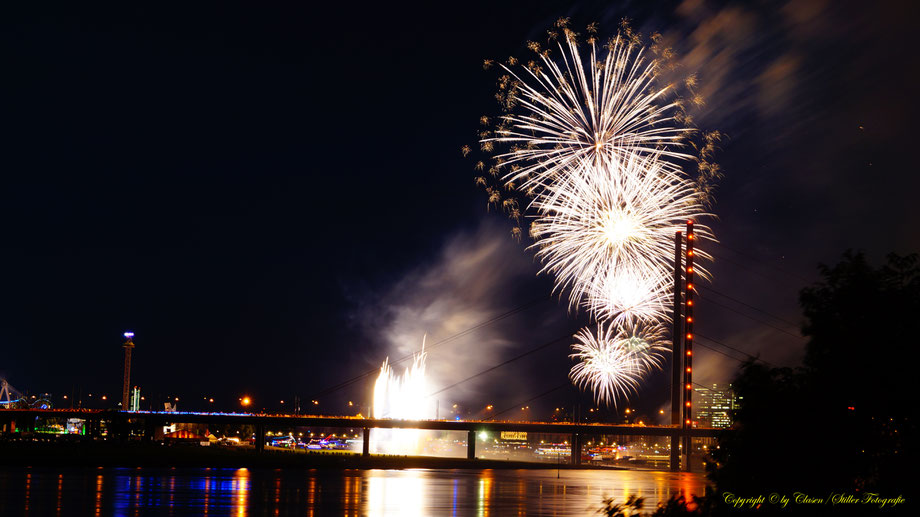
x=677 y=506
x=680 y=506
x=847 y=420
x=632 y=506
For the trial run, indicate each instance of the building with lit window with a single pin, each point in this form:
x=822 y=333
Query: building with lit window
x=135 y=404
x=714 y=405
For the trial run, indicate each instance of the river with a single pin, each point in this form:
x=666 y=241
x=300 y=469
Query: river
x=411 y=492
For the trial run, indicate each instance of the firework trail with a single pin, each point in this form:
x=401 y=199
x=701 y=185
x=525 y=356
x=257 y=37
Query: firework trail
x=614 y=360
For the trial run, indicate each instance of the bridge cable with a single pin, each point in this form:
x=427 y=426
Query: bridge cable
x=750 y=306
x=763 y=262
x=503 y=363
x=784 y=331
x=728 y=355
x=707 y=338
x=557 y=388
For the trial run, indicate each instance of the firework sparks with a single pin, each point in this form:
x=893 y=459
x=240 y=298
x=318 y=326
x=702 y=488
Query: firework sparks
x=586 y=110
x=606 y=235
x=614 y=360
x=596 y=143
x=629 y=296
x=402 y=397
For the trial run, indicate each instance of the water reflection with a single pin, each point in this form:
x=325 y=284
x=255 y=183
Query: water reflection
x=242 y=492
x=28 y=491
x=100 y=483
x=485 y=490
x=240 y=488
x=395 y=493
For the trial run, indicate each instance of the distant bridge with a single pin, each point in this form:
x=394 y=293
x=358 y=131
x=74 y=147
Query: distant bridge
x=119 y=420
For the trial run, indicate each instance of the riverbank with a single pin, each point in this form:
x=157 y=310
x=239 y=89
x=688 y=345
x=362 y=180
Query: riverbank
x=107 y=454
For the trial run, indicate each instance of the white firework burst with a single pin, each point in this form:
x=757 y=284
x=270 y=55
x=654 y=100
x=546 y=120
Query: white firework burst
x=596 y=143
x=624 y=296
x=606 y=233
x=587 y=109
x=613 y=361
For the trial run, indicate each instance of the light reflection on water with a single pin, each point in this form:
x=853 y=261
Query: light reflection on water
x=413 y=492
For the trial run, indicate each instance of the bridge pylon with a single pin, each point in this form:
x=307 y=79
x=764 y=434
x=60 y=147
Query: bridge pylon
x=688 y=345
x=676 y=353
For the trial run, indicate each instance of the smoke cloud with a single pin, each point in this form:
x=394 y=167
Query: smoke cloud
x=476 y=277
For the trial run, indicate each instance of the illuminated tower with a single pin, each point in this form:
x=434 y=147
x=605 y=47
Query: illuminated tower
x=688 y=344
x=126 y=388
x=677 y=394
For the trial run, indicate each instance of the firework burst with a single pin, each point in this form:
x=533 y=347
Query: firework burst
x=583 y=109
x=614 y=360
x=606 y=234
x=597 y=142
x=625 y=296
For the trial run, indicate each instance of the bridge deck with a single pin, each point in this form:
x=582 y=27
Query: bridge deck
x=162 y=417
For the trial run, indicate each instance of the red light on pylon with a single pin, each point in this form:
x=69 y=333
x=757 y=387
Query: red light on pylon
x=690 y=253
x=688 y=422
x=688 y=404
x=689 y=336
x=688 y=386
x=689 y=270
x=690 y=303
x=688 y=370
x=689 y=287
x=851 y=408
x=689 y=352
x=689 y=319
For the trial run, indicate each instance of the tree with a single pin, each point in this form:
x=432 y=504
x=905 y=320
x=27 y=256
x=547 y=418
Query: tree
x=846 y=421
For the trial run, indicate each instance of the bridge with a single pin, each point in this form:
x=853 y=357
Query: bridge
x=120 y=421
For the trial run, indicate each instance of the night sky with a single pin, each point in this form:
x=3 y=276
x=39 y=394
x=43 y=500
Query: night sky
x=274 y=199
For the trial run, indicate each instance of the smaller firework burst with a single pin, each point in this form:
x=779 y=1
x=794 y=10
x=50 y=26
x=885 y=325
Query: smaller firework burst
x=613 y=361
